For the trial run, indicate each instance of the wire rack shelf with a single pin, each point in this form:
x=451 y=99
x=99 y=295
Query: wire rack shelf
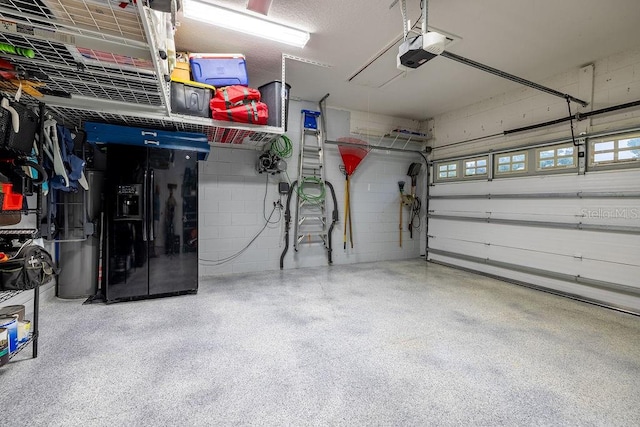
x=98 y=60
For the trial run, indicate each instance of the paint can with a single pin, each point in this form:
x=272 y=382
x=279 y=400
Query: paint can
x=4 y=346
x=10 y=323
x=13 y=310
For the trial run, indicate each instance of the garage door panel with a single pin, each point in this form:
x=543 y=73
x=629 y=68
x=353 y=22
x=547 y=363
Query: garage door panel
x=613 y=298
x=600 y=181
x=619 y=273
x=623 y=212
x=523 y=257
x=608 y=256
x=610 y=247
x=623 y=274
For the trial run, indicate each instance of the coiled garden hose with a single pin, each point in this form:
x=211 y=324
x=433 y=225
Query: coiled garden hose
x=282 y=147
x=314 y=199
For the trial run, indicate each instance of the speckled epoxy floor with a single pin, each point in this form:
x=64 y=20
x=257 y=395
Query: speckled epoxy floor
x=391 y=343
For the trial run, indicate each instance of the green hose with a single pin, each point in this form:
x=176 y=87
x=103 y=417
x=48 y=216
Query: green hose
x=282 y=147
x=314 y=199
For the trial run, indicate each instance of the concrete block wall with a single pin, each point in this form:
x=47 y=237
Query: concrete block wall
x=613 y=80
x=233 y=206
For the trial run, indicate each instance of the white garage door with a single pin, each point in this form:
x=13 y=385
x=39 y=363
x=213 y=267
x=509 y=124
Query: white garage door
x=530 y=217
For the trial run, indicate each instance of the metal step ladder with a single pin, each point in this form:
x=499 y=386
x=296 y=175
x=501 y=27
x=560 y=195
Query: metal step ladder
x=311 y=212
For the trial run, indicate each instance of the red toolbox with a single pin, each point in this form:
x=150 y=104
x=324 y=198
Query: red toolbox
x=219 y=69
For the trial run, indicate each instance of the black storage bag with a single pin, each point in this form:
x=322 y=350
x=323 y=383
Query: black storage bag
x=32 y=266
x=20 y=142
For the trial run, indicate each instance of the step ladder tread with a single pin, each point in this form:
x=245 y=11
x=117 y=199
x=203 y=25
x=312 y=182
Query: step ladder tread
x=304 y=240
x=318 y=226
x=313 y=213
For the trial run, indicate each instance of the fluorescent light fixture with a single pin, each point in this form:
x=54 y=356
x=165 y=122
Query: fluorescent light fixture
x=245 y=23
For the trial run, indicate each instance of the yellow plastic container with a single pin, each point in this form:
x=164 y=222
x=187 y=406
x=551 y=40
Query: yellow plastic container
x=181 y=72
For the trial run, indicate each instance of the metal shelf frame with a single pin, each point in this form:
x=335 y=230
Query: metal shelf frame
x=33 y=336
x=23 y=233
x=126 y=93
x=399 y=140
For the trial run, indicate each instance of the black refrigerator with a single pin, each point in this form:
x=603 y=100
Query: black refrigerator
x=151 y=211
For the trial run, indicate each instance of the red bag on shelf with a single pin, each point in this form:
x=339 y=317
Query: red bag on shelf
x=254 y=112
x=233 y=96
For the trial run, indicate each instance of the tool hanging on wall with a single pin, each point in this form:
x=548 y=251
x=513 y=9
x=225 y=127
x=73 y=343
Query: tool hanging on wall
x=416 y=204
x=401 y=188
x=351 y=158
x=311 y=215
x=410 y=200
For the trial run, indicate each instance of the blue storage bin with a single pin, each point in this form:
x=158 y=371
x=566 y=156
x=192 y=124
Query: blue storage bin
x=219 y=69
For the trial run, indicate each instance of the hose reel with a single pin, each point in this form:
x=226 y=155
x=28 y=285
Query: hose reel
x=272 y=160
x=269 y=162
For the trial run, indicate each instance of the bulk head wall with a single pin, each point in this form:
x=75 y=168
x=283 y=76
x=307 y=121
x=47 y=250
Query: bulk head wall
x=233 y=207
x=609 y=81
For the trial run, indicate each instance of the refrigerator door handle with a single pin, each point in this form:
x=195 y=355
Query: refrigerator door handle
x=152 y=216
x=145 y=202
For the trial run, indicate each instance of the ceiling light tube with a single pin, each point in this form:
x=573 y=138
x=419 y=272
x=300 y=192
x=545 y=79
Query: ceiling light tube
x=245 y=23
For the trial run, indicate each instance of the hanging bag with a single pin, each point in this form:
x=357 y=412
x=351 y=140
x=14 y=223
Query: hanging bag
x=17 y=139
x=30 y=267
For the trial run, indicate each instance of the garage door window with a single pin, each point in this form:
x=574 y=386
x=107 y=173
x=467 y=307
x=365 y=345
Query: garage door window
x=511 y=163
x=448 y=171
x=620 y=150
x=475 y=167
x=550 y=158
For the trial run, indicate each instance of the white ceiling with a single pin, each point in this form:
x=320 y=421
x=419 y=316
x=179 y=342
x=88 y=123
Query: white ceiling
x=533 y=39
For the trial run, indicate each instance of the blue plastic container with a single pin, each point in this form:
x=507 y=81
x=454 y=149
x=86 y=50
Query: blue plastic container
x=10 y=323
x=219 y=69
